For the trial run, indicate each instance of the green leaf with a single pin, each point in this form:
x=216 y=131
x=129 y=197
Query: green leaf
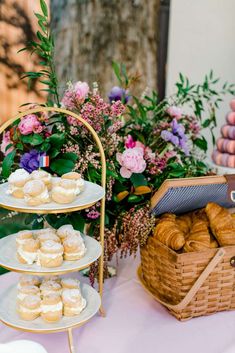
x=138 y=179
x=44 y=7
x=45 y=146
x=33 y=139
x=57 y=139
x=54 y=152
x=77 y=221
x=201 y=143
x=56 y=221
x=62 y=166
x=23 y=49
x=70 y=155
x=135 y=198
x=176 y=174
x=7 y=164
x=206 y=123
x=40 y=17
x=38 y=223
x=116 y=70
x=20 y=146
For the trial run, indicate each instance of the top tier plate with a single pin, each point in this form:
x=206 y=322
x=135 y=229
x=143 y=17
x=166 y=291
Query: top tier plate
x=91 y=194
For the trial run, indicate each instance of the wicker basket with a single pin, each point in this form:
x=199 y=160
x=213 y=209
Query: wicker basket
x=189 y=284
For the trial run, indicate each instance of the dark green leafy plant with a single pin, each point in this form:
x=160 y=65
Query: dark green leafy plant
x=44 y=48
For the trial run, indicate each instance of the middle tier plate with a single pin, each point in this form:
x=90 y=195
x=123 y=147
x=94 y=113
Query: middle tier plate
x=9 y=260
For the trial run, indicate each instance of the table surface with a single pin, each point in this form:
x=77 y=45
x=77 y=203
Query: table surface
x=134 y=322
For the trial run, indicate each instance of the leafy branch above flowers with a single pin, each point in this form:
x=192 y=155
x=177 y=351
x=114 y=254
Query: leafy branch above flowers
x=44 y=48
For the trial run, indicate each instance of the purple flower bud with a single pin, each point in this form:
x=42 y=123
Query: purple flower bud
x=118 y=94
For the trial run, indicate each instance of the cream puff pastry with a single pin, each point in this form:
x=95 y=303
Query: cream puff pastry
x=16 y=181
x=51 y=308
x=50 y=254
x=73 y=302
x=64 y=191
x=77 y=178
x=30 y=308
x=27 y=253
x=36 y=193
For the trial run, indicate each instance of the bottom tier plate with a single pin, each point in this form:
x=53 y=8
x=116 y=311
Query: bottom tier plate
x=9 y=316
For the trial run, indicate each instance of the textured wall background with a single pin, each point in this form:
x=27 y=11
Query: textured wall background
x=17 y=26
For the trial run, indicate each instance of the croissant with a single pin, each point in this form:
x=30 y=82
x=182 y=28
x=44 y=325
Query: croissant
x=221 y=224
x=199 y=237
x=168 y=232
x=184 y=223
x=213 y=243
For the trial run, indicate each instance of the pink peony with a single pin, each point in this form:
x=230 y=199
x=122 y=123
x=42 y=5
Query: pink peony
x=175 y=112
x=81 y=90
x=132 y=161
x=140 y=145
x=6 y=141
x=129 y=142
x=29 y=124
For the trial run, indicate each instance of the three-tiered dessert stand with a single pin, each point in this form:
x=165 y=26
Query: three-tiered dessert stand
x=91 y=194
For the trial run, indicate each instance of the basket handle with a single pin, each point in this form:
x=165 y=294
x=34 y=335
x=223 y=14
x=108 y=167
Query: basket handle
x=197 y=285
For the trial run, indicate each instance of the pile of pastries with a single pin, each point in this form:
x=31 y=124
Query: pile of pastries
x=48 y=247
x=50 y=298
x=210 y=227
x=40 y=187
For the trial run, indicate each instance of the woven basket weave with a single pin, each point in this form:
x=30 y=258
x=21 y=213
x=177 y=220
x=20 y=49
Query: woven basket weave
x=189 y=284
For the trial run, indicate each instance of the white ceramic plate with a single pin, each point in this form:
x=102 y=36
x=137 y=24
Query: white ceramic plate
x=89 y=196
x=9 y=260
x=9 y=316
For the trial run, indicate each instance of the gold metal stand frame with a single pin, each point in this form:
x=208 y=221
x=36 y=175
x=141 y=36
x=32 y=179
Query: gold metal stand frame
x=103 y=184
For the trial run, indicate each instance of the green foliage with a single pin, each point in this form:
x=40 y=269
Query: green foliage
x=202 y=98
x=32 y=139
x=138 y=179
x=62 y=166
x=44 y=48
x=7 y=164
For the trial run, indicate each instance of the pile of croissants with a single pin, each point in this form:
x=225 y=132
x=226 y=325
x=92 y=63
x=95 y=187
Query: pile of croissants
x=210 y=227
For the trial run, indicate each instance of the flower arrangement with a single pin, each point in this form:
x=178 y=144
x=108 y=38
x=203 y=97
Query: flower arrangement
x=145 y=140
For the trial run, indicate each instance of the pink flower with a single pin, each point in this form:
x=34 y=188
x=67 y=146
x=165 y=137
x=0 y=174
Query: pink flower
x=129 y=142
x=132 y=161
x=81 y=90
x=29 y=124
x=72 y=121
x=175 y=112
x=6 y=141
x=93 y=214
x=140 y=145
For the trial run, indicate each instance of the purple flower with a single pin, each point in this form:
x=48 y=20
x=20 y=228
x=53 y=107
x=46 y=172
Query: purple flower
x=176 y=136
x=175 y=140
x=166 y=135
x=177 y=128
x=30 y=160
x=118 y=94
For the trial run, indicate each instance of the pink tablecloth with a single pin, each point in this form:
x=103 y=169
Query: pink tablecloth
x=135 y=323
